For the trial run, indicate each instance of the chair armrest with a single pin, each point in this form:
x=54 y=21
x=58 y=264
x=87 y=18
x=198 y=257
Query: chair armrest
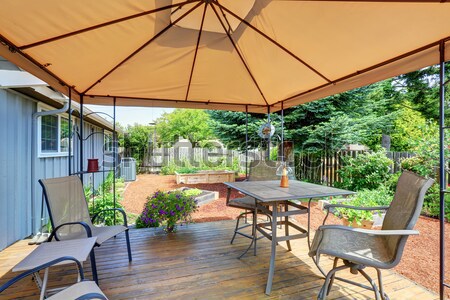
x=328 y=206
x=41 y=267
x=84 y=224
x=125 y=223
x=370 y=231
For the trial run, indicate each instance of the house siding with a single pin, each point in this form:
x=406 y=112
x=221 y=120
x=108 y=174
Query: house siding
x=21 y=168
x=15 y=167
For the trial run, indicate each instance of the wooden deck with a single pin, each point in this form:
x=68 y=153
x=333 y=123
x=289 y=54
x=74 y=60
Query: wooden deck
x=198 y=262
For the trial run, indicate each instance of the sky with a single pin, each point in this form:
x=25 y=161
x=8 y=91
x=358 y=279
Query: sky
x=127 y=115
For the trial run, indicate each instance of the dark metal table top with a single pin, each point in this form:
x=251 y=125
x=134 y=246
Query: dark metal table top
x=270 y=190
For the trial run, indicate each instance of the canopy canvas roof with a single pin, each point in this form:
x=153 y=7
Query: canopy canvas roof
x=219 y=54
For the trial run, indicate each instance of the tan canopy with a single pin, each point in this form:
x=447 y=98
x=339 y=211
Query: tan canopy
x=219 y=54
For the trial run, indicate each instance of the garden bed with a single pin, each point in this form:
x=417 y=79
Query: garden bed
x=204 y=197
x=205 y=177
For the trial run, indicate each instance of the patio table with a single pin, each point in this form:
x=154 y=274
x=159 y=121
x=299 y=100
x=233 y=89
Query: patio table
x=80 y=249
x=269 y=193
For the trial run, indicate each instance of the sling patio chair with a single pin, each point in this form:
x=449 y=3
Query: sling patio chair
x=82 y=290
x=69 y=214
x=380 y=249
x=258 y=171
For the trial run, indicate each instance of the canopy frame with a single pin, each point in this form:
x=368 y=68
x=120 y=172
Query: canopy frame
x=17 y=54
x=369 y=74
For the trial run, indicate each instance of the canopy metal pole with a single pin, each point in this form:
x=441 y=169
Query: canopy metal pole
x=282 y=132
x=442 y=177
x=114 y=157
x=246 y=142
x=70 y=133
x=268 y=138
x=81 y=136
x=103 y=167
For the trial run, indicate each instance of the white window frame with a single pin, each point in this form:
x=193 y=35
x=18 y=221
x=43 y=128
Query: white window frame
x=58 y=153
x=108 y=141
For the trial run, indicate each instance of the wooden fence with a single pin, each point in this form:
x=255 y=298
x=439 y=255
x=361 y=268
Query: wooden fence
x=153 y=160
x=309 y=167
x=323 y=168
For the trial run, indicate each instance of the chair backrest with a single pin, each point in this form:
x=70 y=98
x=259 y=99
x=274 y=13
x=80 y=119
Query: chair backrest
x=263 y=170
x=66 y=202
x=405 y=209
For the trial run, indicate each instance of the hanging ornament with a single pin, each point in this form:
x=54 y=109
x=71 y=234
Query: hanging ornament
x=266 y=130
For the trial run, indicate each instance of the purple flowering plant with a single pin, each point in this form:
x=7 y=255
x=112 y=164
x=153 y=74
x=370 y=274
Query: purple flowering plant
x=167 y=209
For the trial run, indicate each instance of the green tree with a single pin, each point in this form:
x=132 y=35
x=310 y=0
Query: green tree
x=396 y=107
x=421 y=88
x=358 y=116
x=192 y=124
x=365 y=171
x=136 y=139
x=330 y=135
x=407 y=129
x=230 y=128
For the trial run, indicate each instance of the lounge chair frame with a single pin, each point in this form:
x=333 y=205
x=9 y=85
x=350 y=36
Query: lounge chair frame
x=87 y=227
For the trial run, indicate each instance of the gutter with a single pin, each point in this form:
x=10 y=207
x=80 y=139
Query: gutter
x=34 y=144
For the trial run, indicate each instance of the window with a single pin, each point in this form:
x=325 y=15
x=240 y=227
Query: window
x=49 y=134
x=64 y=134
x=53 y=135
x=108 y=142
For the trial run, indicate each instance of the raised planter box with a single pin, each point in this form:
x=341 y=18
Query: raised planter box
x=204 y=197
x=205 y=177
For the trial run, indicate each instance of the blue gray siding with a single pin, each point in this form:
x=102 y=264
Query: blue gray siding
x=15 y=167
x=20 y=167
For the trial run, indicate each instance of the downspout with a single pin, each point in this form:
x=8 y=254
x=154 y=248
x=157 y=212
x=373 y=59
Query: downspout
x=34 y=144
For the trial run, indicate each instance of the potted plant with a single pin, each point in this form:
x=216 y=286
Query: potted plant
x=365 y=198
x=167 y=209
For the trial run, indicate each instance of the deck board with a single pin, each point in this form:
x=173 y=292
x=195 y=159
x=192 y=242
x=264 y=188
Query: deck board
x=198 y=262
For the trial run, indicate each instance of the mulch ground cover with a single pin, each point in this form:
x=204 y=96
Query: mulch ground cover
x=420 y=261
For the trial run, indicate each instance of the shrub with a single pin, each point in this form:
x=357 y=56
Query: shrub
x=431 y=203
x=167 y=209
x=391 y=183
x=426 y=163
x=419 y=165
x=106 y=201
x=103 y=198
x=169 y=169
x=365 y=198
x=187 y=170
x=427 y=153
x=365 y=171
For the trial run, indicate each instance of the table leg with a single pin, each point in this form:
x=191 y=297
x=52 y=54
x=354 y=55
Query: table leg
x=309 y=224
x=273 y=248
x=286 y=226
x=255 y=219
